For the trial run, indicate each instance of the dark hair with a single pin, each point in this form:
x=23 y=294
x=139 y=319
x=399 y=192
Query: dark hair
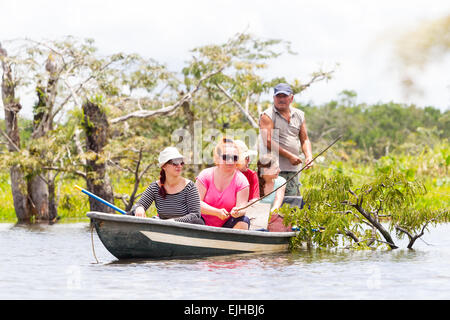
x=162 y=179
x=264 y=161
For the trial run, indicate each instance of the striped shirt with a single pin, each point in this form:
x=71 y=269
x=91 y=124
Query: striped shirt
x=183 y=206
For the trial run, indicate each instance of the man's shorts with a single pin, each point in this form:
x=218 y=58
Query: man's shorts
x=292 y=187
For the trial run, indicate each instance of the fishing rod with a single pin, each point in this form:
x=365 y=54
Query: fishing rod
x=248 y=205
x=101 y=200
x=295 y=175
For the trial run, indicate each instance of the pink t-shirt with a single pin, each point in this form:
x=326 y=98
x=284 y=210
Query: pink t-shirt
x=225 y=199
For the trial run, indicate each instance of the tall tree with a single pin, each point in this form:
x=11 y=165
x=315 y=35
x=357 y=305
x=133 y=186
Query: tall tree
x=219 y=86
x=96 y=128
x=12 y=107
x=60 y=72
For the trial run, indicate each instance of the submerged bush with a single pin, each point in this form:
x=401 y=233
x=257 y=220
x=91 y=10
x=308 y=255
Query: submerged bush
x=339 y=213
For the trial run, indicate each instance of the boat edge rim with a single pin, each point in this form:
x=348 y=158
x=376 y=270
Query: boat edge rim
x=177 y=224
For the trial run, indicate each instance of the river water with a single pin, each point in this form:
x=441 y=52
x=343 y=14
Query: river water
x=57 y=262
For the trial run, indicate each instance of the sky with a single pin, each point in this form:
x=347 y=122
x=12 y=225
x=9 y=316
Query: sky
x=357 y=36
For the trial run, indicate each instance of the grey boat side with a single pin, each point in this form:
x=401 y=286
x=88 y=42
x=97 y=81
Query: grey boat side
x=129 y=237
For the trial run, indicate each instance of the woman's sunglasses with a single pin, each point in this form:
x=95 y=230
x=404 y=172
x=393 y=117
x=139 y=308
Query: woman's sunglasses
x=176 y=162
x=230 y=157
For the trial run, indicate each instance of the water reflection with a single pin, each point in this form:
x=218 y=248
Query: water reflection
x=56 y=261
x=241 y=261
x=280 y=260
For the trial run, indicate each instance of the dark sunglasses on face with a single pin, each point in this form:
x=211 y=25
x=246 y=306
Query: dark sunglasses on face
x=230 y=157
x=176 y=162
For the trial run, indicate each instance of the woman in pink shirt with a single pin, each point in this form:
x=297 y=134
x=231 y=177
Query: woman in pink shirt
x=224 y=189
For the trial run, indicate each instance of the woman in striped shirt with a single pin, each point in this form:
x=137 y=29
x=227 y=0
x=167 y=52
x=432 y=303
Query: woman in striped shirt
x=175 y=197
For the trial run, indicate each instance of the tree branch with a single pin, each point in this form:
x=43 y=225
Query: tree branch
x=413 y=238
x=166 y=110
x=78 y=173
x=11 y=143
x=246 y=113
x=318 y=76
x=372 y=221
x=351 y=235
x=80 y=86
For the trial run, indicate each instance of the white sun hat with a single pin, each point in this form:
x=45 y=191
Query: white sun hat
x=167 y=154
x=244 y=149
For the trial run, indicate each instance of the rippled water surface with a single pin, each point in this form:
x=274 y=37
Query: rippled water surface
x=57 y=262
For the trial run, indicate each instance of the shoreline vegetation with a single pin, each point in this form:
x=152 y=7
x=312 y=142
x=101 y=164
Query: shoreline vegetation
x=416 y=156
x=100 y=121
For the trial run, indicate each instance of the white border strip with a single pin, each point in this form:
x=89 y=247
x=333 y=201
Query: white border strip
x=212 y=243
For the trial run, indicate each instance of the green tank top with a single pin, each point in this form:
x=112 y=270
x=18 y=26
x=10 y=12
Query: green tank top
x=271 y=198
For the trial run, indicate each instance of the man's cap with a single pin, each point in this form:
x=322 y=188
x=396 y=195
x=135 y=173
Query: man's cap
x=167 y=154
x=282 y=88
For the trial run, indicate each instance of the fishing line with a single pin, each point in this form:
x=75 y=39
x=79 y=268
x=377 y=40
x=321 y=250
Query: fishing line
x=92 y=241
x=295 y=175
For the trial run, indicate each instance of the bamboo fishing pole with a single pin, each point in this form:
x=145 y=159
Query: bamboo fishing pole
x=101 y=200
x=295 y=175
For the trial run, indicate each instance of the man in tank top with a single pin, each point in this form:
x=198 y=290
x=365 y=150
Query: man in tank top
x=283 y=132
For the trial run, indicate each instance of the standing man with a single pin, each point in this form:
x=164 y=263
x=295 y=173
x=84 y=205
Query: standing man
x=283 y=132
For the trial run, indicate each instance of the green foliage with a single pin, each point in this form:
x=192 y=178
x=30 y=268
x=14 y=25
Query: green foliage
x=376 y=130
x=26 y=129
x=378 y=139
x=7 y=213
x=323 y=220
x=335 y=208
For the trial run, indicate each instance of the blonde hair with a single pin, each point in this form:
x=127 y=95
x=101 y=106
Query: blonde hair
x=221 y=145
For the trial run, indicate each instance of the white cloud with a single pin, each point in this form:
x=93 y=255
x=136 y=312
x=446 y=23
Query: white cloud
x=355 y=34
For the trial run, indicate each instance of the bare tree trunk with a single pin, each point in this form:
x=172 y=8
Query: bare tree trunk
x=41 y=189
x=12 y=108
x=52 y=199
x=96 y=127
x=38 y=192
x=18 y=186
x=194 y=169
x=37 y=186
x=376 y=224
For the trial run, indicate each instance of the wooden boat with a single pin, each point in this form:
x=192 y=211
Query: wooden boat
x=129 y=237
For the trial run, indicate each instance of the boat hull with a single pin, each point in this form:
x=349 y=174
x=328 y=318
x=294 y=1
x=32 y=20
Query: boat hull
x=128 y=237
